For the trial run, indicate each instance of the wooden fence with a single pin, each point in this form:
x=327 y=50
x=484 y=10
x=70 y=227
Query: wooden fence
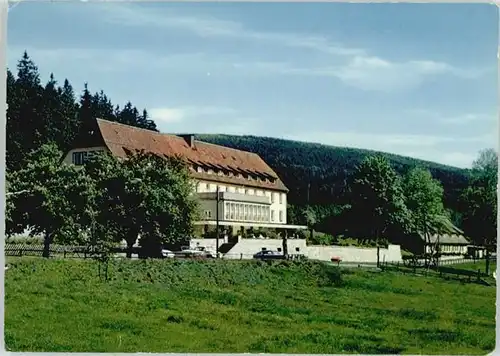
x=445 y=270
x=36 y=250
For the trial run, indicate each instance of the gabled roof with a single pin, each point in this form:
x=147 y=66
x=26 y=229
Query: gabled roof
x=119 y=138
x=447 y=239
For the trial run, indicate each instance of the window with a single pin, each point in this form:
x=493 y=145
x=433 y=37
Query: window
x=281 y=198
x=226 y=211
x=208 y=214
x=272 y=215
x=207 y=186
x=279 y=249
x=281 y=216
x=246 y=191
x=79 y=158
x=245 y=212
x=273 y=198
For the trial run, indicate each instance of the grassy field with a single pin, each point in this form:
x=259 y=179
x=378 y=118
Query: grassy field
x=234 y=306
x=474 y=266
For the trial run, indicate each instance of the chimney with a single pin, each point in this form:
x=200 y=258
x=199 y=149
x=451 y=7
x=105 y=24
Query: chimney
x=189 y=138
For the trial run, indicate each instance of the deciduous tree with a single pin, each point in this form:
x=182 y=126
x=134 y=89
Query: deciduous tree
x=424 y=199
x=480 y=199
x=49 y=198
x=377 y=198
x=144 y=195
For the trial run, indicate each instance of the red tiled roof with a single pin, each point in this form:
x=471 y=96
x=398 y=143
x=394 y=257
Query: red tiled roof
x=119 y=138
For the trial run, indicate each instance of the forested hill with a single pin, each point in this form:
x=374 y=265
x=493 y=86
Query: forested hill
x=322 y=170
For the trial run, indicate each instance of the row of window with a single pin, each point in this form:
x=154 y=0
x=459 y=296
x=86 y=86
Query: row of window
x=213 y=188
x=246 y=212
x=229 y=173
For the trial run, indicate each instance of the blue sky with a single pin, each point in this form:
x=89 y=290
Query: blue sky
x=412 y=79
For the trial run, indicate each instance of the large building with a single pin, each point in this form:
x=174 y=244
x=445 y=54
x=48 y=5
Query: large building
x=249 y=194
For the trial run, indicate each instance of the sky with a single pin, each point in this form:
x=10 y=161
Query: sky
x=412 y=79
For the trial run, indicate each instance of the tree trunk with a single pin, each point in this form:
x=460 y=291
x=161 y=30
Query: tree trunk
x=46 y=245
x=425 y=244
x=131 y=238
x=487 y=253
x=378 y=249
x=285 y=243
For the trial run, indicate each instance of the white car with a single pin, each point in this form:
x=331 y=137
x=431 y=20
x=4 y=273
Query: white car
x=167 y=253
x=198 y=251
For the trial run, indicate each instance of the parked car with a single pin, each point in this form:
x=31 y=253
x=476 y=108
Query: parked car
x=269 y=255
x=198 y=251
x=167 y=254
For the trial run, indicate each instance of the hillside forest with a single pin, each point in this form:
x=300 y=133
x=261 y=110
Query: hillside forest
x=338 y=191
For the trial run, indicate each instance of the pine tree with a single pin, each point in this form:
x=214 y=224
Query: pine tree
x=14 y=142
x=85 y=112
x=52 y=116
x=69 y=110
x=25 y=114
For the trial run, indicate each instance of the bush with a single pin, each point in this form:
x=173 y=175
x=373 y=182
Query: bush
x=329 y=276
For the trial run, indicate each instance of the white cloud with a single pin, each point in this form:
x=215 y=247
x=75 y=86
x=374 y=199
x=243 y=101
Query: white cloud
x=377 y=74
x=211 y=27
x=456 y=159
x=380 y=141
x=179 y=114
x=364 y=71
x=167 y=115
x=468 y=119
x=452 y=119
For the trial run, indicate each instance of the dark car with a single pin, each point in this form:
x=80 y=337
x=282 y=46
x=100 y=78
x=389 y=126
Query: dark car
x=269 y=255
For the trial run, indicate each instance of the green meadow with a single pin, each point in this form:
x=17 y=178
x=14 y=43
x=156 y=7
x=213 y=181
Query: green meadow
x=236 y=306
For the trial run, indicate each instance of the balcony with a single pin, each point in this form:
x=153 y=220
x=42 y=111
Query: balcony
x=236 y=197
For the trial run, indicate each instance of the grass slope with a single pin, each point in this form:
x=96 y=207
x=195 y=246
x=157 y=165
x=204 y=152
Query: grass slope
x=234 y=306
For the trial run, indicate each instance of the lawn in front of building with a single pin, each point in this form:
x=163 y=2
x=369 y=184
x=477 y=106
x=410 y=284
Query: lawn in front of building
x=241 y=306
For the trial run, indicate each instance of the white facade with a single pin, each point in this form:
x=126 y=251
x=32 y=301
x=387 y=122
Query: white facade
x=448 y=249
x=248 y=204
x=257 y=205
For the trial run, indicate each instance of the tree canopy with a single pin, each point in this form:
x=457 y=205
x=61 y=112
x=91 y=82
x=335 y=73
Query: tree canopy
x=377 y=199
x=479 y=200
x=143 y=195
x=48 y=198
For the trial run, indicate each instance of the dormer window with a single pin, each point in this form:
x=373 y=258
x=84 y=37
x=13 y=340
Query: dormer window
x=199 y=169
x=78 y=158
